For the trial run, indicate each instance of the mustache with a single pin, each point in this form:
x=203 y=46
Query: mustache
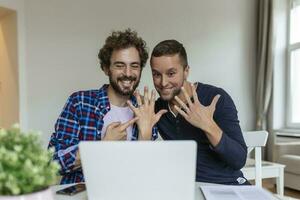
x=127 y=78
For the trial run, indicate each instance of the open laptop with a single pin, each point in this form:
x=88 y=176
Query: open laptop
x=144 y=170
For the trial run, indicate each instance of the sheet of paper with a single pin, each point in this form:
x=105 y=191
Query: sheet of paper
x=235 y=193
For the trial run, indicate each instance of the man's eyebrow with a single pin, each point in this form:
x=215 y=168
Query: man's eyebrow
x=118 y=62
x=135 y=63
x=172 y=69
x=168 y=71
x=123 y=63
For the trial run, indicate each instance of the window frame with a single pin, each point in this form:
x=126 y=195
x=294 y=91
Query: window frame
x=290 y=49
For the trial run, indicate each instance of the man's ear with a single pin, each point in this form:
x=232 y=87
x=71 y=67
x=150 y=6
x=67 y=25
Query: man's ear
x=186 y=72
x=105 y=69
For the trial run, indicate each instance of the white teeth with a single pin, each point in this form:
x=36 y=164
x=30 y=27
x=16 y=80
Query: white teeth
x=126 y=83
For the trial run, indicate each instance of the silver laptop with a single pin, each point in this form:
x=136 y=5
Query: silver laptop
x=146 y=170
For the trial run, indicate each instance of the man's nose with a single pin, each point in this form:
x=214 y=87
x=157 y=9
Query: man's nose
x=128 y=71
x=164 y=81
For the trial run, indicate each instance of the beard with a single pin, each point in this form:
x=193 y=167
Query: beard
x=121 y=91
x=171 y=96
x=176 y=90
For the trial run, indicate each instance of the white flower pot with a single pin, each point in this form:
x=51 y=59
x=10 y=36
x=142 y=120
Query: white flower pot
x=40 y=195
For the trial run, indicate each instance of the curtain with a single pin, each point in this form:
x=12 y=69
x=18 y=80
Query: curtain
x=265 y=62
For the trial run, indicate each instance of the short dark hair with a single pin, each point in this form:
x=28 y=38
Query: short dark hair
x=169 y=48
x=122 y=40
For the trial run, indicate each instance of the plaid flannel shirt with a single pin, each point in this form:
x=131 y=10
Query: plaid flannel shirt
x=82 y=119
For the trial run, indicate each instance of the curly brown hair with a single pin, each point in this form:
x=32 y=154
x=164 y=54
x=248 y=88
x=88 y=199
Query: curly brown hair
x=122 y=40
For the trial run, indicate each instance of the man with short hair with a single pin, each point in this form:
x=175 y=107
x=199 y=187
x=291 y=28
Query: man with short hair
x=200 y=112
x=111 y=112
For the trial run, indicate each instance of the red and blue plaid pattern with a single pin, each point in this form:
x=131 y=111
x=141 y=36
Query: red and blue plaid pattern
x=81 y=119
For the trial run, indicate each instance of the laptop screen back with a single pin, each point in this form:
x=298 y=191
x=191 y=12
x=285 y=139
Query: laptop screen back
x=159 y=170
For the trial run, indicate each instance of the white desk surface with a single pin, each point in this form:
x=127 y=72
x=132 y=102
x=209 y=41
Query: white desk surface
x=83 y=195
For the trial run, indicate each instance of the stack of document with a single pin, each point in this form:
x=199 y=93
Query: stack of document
x=218 y=192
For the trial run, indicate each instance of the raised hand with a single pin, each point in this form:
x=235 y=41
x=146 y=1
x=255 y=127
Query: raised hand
x=195 y=113
x=117 y=131
x=145 y=113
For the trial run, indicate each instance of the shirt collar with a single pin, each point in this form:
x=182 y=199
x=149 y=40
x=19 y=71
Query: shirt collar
x=104 y=101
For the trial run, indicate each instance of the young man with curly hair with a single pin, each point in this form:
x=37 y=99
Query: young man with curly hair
x=111 y=112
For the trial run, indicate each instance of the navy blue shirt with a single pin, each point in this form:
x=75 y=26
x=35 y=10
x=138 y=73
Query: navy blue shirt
x=222 y=163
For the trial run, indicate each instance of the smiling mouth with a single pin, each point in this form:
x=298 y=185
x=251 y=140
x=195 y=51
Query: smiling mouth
x=126 y=83
x=166 y=90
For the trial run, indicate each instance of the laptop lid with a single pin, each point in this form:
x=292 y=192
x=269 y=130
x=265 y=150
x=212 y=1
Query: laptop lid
x=160 y=170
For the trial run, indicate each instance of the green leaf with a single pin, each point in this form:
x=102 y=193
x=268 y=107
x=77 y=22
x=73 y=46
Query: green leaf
x=25 y=166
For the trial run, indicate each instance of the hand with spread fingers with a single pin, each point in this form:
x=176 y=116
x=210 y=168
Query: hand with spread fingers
x=199 y=115
x=145 y=113
x=117 y=131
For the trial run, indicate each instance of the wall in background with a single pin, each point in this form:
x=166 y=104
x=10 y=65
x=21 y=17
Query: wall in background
x=9 y=79
x=63 y=39
x=18 y=7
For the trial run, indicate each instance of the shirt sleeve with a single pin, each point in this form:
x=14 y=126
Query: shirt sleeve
x=154 y=133
x=231 y=148
x=65 y=138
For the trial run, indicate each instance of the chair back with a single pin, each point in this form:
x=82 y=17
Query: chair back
x=256 y=140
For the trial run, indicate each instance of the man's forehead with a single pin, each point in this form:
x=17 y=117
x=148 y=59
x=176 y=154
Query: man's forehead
x=125 y=50
x=164 y=69
x=165 y=63
x=125 y=55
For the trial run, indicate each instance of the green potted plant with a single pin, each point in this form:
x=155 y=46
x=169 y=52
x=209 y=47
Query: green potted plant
x=26 y=169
